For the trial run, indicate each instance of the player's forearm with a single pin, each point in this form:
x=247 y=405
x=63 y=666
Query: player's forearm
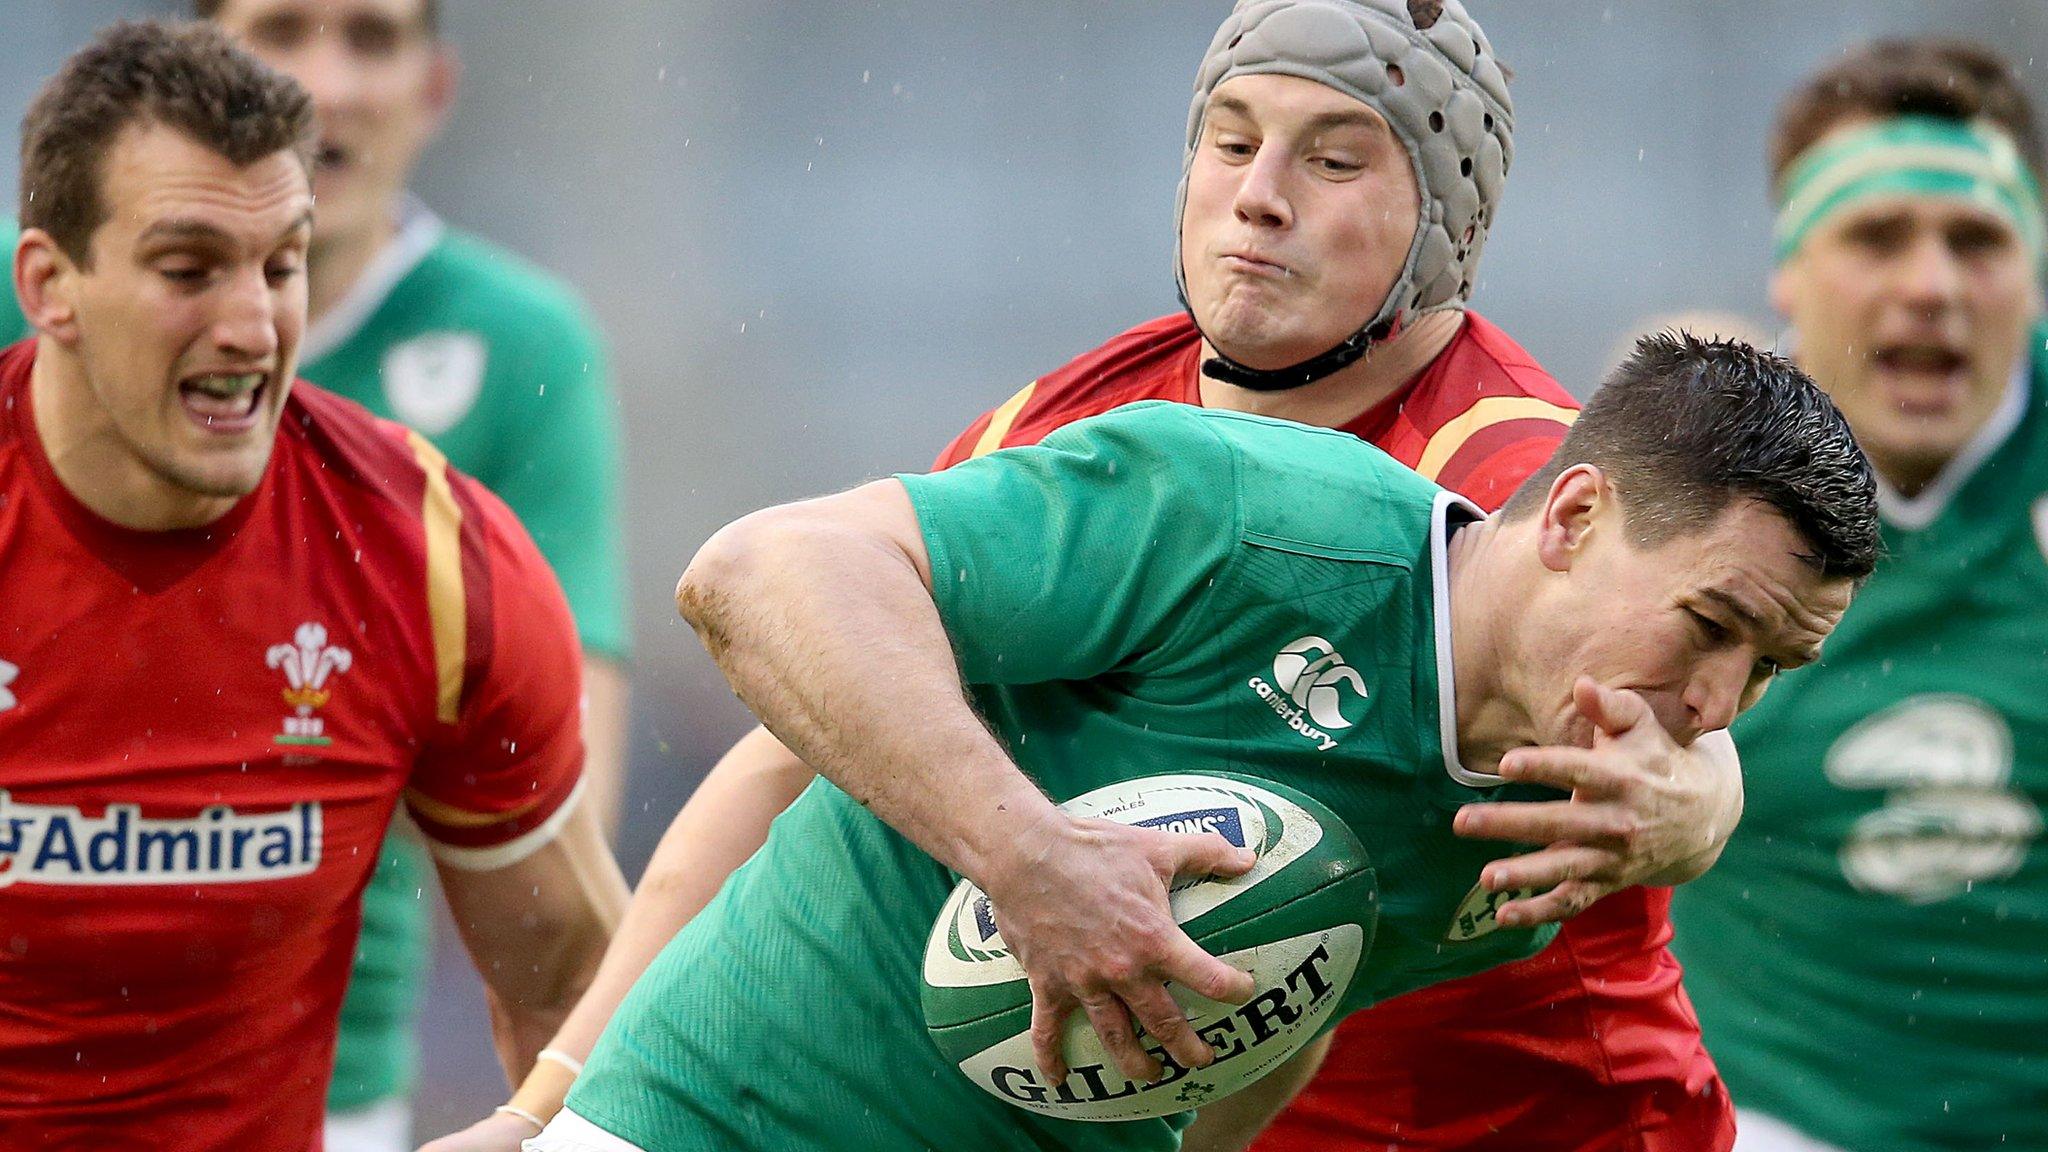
x=723 y=824
x=606 y=698
x=537 y=932
x=820 y=617
x=1721 y=772
x=1232 y=1123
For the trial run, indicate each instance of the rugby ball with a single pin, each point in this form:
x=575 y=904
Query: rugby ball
x=1300 y=922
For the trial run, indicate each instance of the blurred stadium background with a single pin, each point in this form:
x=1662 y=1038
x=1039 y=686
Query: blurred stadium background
x=822 y=235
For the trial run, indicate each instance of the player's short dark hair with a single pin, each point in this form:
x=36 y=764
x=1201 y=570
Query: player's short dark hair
x=430 y=13
x=1686 y=427
x=1918 y=76
x=189 y=77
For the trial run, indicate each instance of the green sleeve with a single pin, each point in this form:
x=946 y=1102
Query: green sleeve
x=559 y=471
x=1087 y=553
x=12 y=326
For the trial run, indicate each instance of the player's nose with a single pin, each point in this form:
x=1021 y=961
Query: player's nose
x=246 y=323
x=1262 y=194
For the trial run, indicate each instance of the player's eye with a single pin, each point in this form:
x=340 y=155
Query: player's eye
x=281 y=270
x=183 y=275
x=1337 y=166
x=1978 y=239
x=280 y=32
x=1710 y=629
x=374 y=37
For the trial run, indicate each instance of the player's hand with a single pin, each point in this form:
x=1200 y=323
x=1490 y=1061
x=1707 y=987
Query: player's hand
x=1641 y=809
x=498 y=1132
x=1083 y=907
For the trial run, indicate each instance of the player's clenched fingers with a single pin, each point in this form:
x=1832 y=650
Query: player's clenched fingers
x=1165 y=1022
x=1192 y=968
x=1546 y=822
x=1560 y=903
x=1573 y=770
x=1205 y=854
x=1112 y=1023
x=1048 y=1014
x=1551 y=867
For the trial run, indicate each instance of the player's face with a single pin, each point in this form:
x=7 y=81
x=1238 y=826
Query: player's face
x=1912 y=312
x=188 y=318
x=381 y=84
x=1301 y=207
x=1696 y=624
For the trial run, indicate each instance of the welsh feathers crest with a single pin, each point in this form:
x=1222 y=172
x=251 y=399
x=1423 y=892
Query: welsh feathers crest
x=307 y=662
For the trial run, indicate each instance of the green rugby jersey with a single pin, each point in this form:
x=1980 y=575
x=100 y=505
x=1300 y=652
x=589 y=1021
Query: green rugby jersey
x=497 y=363
x=13 y=326
x=1135 y=595
x=1869 y=958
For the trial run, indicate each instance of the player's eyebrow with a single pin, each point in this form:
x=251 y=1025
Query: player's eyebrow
x=199 y=231
x=1758 y=629
x=1360 y=117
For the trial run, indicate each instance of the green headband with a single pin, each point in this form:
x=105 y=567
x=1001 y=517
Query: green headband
x=1911 y=156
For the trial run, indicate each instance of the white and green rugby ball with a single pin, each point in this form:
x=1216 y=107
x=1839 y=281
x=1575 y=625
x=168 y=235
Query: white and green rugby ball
x=1301 y=921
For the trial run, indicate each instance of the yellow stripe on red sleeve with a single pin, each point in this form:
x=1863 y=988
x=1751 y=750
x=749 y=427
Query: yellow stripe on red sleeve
x=1001 y=420
x=447 y=606
x=1484 y=414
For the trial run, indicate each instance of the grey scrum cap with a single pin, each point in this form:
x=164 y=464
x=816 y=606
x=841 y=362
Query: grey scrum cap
x=1440 y=90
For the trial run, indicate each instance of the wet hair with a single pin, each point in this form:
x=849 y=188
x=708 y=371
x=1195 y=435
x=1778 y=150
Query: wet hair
x=189 y=77
x=1922 y=76
x=430 y=13
x=1686 y=427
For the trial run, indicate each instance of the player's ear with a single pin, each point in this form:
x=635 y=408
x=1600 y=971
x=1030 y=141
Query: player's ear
x=46 y=283
x=1783 y=286
x=1576 y=498
x=444 y=77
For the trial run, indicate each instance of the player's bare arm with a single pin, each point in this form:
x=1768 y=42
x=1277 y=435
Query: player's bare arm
x=800 y=605
x=1230 y=1124
x=607 y=694
x=1642 y=810
x=537 y=963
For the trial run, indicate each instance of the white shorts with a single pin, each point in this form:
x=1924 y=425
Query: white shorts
x=385 y=1126
x=1756 y=1132
x=568 y=1132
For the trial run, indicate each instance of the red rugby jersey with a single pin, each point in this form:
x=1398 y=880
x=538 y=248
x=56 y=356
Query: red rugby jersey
x=1590 y=1044
x=203 y=735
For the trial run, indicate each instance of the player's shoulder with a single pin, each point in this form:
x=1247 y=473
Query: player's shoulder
x=1485 y=363
x=466 y=281
x=1145 y=362
x=1295 y=482
x=342 y=447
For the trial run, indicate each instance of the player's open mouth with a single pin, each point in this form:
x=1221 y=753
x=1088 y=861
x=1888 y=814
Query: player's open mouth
x=1927 y=378
x=224 y=402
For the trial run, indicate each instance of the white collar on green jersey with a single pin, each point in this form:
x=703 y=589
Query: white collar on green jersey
x=418 y=231
x=1446 y=675
x=1913 y=513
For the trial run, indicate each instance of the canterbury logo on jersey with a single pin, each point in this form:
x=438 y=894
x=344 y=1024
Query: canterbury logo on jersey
x=59 y=844
x=1307 y=677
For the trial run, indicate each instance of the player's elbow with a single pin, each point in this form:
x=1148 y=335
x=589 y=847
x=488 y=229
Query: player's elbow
x=733 y=559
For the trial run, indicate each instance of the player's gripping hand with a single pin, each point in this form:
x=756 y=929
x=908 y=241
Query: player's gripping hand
x=1643 y=810
x=494 y=1133
x=1083 y=907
